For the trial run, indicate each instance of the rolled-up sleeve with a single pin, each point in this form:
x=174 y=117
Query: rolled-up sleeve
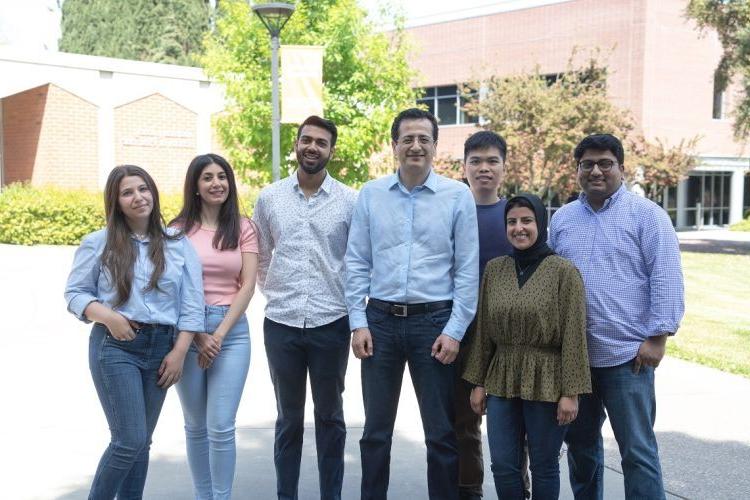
x=358 y=263
x=82 y=285
x=466 y=266
x=192 y=310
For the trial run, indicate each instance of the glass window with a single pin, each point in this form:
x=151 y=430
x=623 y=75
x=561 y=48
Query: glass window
x=446 y=103
x=446 y=114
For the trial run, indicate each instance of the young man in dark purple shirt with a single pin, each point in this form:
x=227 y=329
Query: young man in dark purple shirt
x=484 y=167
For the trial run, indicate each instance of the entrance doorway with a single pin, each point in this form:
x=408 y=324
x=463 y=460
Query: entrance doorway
x=708 y=198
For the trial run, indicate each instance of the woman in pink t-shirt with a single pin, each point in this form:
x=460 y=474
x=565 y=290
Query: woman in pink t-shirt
x=217 y=364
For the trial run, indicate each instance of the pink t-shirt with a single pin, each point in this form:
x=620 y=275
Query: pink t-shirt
x=221 y=269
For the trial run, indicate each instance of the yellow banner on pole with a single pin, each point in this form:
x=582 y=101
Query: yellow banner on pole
x=301 y=82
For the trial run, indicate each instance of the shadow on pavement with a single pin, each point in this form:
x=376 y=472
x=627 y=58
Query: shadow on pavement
x=716 y=246
x=697 y=468
x=255 y=478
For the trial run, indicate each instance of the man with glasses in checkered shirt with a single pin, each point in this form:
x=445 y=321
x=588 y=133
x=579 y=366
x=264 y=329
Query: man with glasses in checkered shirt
x=629 y=257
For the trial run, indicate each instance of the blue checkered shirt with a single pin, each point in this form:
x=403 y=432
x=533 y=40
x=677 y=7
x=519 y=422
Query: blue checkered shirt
x=629 y=257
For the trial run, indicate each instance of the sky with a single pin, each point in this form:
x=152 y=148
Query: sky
x=35 y=24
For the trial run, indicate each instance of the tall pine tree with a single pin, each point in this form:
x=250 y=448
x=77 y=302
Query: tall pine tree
x=165 y=31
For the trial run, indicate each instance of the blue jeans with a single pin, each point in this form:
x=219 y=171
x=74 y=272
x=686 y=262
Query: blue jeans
x=125 y=375
x=397 y=341
x=630 y=403
x=210 y=399
x=324 y=353
x=508 y=419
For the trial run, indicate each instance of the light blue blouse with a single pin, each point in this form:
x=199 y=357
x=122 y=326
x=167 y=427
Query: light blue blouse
x=178 y=301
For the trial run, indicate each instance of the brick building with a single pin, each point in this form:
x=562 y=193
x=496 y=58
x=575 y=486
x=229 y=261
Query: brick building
x=660 y=68
x=68 y=119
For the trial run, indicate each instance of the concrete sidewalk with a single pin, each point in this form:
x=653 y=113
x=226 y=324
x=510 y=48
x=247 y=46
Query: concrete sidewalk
x=53 y=429
x=715 y=241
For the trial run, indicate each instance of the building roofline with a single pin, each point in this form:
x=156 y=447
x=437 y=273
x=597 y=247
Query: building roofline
x=81 y=61
x=489 y=9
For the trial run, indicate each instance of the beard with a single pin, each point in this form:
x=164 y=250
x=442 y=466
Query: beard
x=309 y=167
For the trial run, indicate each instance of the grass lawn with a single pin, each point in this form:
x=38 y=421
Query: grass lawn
x=716 y=328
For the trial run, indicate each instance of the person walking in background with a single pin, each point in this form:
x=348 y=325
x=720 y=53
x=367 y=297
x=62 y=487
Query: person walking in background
x=138 y=282
x=628 y=253
x=217 y=363
x=414 y=252
x=484 y=167
x=303 y=224
x=528 y=359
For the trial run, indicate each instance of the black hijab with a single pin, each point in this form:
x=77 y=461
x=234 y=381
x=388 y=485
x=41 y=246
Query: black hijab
x=527 y=261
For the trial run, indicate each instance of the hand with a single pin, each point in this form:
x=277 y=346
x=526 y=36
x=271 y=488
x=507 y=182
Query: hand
x=567 y=409
x=120 y=327
x=204 y=362
x=445 y=349
x=170 y=370
x=650 y=353
x=478 y=400
x=208 y=345
x=362 y=343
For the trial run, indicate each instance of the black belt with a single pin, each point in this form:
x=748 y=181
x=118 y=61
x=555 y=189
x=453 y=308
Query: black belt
x=404 y=310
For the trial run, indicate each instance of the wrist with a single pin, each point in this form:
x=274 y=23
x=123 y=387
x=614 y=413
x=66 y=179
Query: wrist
x=180 y=349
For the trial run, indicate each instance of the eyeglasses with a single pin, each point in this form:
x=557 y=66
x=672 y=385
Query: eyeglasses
x=604 y=164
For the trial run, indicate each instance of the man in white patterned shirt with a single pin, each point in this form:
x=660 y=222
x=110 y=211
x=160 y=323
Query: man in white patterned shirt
x=303 y=225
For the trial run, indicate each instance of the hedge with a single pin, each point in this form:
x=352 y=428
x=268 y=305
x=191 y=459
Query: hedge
x=55 y=216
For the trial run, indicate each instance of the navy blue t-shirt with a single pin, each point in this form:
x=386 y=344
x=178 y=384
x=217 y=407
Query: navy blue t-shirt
x=492 y=239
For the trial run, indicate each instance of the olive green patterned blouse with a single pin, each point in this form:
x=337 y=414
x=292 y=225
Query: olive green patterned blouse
x=530 y=342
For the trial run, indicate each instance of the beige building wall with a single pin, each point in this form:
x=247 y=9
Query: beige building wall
x=159 y=135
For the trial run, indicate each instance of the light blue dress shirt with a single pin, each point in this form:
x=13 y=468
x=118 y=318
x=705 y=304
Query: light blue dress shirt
x=629 y=257
x=414 y=247
x=177 y=302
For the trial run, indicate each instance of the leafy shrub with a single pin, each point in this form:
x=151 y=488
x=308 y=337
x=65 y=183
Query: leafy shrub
x=743 y=225
x=55 y=216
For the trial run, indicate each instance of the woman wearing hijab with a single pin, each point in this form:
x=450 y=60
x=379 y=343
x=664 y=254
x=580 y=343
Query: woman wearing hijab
x=528 y=360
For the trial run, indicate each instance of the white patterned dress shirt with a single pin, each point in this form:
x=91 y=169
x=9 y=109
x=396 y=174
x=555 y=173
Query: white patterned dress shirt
x=302 y=243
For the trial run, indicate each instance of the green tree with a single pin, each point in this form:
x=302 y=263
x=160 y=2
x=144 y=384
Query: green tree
x=165 y=31
x=366 y=80
x=731 y=20
x=543 y=118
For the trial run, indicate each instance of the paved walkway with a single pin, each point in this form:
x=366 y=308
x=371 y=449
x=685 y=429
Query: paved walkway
x=715 y=241
x=53 y=431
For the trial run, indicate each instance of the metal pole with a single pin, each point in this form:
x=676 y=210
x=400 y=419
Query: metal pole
x=275 y=120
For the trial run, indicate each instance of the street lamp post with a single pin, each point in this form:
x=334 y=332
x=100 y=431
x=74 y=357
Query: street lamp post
x=274 y=16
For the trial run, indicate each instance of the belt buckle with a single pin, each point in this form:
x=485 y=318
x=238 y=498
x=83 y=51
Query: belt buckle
x=399 y=310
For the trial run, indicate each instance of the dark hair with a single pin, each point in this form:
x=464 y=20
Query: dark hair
x=119 y=254
x=600 y=142
x=519 y=202
x=317 y=121
x=228 y=231
x=483 y=140
x=414 y=114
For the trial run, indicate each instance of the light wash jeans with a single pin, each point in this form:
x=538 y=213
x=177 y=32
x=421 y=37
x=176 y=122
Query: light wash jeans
x=210 y=399
x=125 y=375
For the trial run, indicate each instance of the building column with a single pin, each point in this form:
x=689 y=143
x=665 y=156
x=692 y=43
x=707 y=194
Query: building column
x=682 y=203
x=736 y=196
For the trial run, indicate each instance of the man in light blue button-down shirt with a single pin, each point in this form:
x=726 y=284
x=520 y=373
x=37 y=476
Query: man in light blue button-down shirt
x=413 y=251
x=628 y=254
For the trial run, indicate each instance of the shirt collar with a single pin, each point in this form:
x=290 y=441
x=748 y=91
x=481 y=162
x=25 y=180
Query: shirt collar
x=430 y=183
x=609 y=201
x=326 y=186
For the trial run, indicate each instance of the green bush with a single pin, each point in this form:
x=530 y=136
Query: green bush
x=741 y=226
x=54 y=216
